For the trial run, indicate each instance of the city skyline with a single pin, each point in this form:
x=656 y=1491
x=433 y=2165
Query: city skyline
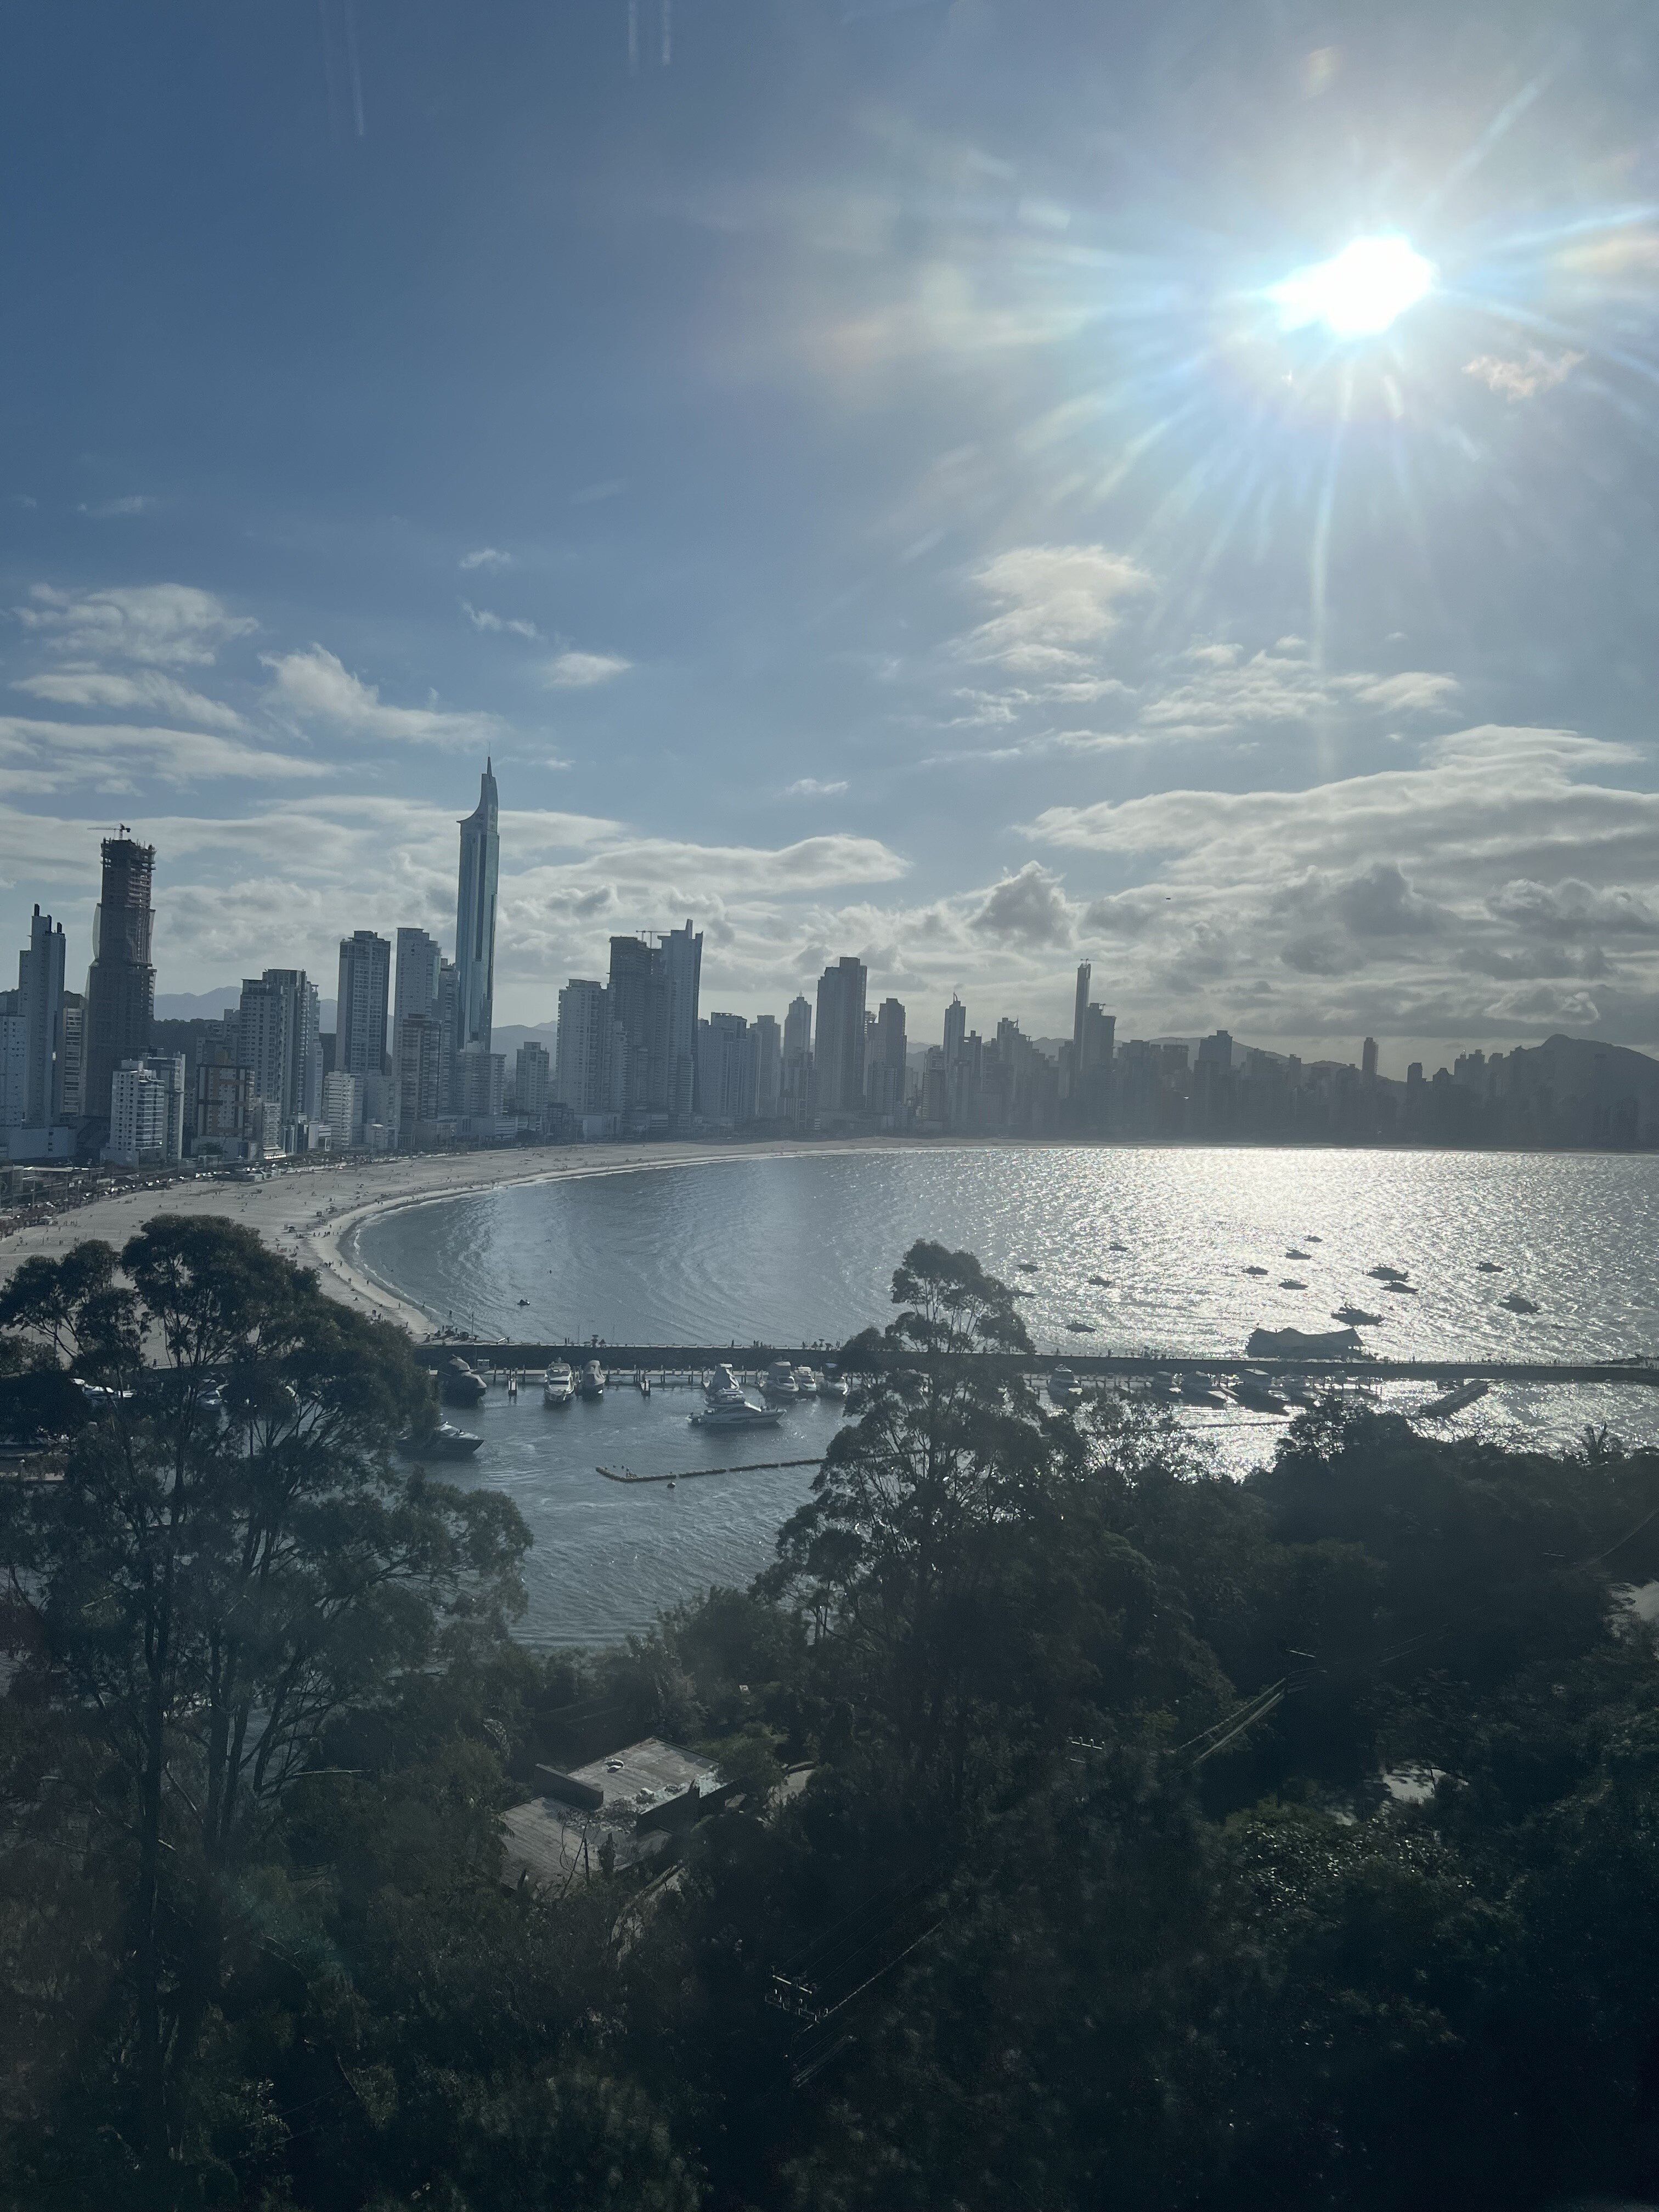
x=877 y=501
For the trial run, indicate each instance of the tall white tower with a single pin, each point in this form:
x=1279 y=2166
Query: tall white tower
x=474 y=920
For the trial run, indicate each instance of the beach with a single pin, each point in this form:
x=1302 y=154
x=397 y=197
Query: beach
x=309 y=1213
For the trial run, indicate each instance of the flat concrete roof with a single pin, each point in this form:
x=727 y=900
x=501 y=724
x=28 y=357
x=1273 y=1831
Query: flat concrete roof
x=555 y=1845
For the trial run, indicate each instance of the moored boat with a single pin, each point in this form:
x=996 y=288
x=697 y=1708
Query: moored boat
x=780 y=1380
x=1452 y=1401
x=592 y=1380
x=806 y=1382
x=558 y=1385
x=1064 y=1389
x=457 y=1384
x=736 y=1413
x=445 y=1441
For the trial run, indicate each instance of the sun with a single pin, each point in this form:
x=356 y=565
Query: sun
x=1360 y=292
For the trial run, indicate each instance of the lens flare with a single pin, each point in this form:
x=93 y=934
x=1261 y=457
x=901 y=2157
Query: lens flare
x=1357 y=294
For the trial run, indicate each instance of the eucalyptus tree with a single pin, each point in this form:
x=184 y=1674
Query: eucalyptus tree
x=232 y=1559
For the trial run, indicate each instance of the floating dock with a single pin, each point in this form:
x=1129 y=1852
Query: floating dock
x=691 y=1473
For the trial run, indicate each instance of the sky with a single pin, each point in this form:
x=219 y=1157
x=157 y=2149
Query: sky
x=870 y=478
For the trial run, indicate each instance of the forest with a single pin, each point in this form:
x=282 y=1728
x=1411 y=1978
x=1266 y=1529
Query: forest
x=1168 y=1841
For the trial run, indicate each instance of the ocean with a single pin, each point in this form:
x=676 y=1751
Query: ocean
x=802 y=1249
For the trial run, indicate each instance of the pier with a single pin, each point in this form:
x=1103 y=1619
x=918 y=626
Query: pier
x=666 y=1364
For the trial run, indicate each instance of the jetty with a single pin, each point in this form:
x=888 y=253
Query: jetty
x=691 y=1473
x=668 y=1364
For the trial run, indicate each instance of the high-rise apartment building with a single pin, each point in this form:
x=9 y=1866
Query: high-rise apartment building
x=121 y=980
x=681 y=952
x=449 y=1016
x=885 y=1074
x=147 y=1110
x=638 y=1008
x=726 y=1070
x=415 y=987
x=582 y=1070
x=420 y=1041
x=229 y=1114
x=342 y=1116
x=769 y=1067
x=276 y=1037
x=41 y=1004
x=71 y=1057
x=956 y=1029
x=475 y=919
x=532 y=1081
x=360 y=1006
x=13 y=1062
x=839 y=1062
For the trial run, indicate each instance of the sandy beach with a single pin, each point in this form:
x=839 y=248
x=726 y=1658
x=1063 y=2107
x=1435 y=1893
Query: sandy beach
x=309 y=1213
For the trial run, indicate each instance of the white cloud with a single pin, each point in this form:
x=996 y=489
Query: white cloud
x=808 y=787
x=1525 y=378
x=577 y=672
x=70 y=752
x=1027 y=908
x=482 y=618
x=1054 y=600
x=486 y=557
x=103 y=510
x=317 y=686
x=165 y=624
x=148 y=692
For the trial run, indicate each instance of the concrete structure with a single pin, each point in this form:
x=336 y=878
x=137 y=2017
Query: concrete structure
x=228 y=1120
x=146 y=1112
x=420 y=1038
x=582 y=1070
x=40 y=1006
x=769 y=1067
x=839 y=1061
x=475 y=919
x=13 y=1062
x=726 y=1071
x=276 y=1037
x=532 y=1081
x=611 y=1812
x=342 y=1114
x=416 y=990
x=121 y=980
x=681 y=951
x=71 y=1057
x=886 y=1068
x=361 y=1007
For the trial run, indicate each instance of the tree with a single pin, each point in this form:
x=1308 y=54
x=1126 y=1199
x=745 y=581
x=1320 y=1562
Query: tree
x=211 y=1589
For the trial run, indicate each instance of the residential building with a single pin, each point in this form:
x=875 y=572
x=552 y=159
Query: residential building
x=276 y=1036
x=420 y=1038
x=71 y=1057
x=475 y=919
x=681 y=951
x=41 y=1004
x=121 y=980
x=229 y=1120
x=415 y=985
x=796 y=1104
x=769 y=1067
x=13 y=1062
x=532 y=1081
x=342 y=1114
x=638 y=1008
x=146 y=1111
x=839 y=1061
x=360 y=1006
x=480 y=1081
x=726 y=1071
x=582 y=1067
x=885 y=1071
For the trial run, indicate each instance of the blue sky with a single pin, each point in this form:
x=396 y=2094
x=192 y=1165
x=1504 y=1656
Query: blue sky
x=847 y=464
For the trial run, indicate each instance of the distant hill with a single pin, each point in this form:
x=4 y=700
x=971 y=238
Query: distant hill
x=201 y=1006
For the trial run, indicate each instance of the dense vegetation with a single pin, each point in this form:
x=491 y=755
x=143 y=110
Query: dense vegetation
x=1097 y=1895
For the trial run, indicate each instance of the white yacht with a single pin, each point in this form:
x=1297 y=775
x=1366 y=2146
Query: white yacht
x=832 y=1385
x=806 y=1382
x=780 y=1380
x=558 y=1385
x=740 y=1412
x=1064 y=1389
x=723 y=1388
x=592 y=1382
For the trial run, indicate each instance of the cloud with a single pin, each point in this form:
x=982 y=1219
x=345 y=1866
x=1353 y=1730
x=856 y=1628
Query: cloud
x=576 y=672
x=172 y=624
x=68 y=753
x=1525 y=378
x=1054 y=600
x=1571 y=909
x=148 y=692
x=134 y=503
x=486 y=557
x=481 y=618
x=808 y=787
x=591 y=495
x=317 y=686
x=1028 y=908
x=1226 y=692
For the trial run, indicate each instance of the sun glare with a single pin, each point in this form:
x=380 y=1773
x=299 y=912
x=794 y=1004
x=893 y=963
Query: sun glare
x=1358 y=292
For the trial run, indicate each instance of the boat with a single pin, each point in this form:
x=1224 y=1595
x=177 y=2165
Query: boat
x=1064 y=1389
x=1308 y=1238
x=458 y=1385
x=832 y=1387
x=780 y=1380
x=1254 y=1271
x=1294 y=1254
x=1381 y=1274
x=592 y=1380
x=1199 y=1390
x=1402 y=1290
x=1117 y=1248
x=1028 y=1267
x=1302 y=1344
x=1252 y=1390
x=1488 y=1267
x=1357 y=1318
x=737 y=1413
x=1516 y=1303
x=210 y=1401
x=1290 y=1283
x=1451 y=1401
x=806 y=1382
x=558 y=1385
x=1081 y=1327
x=446 y=1441
x=523 y=1301
x=1100 y=1282
x=722 y=1387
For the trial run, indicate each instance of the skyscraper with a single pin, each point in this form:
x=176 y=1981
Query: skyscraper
x=121 y=981
x=639 y=1007
x=582 y=1072
x=415 y=989
x=276 y=1037
x=474 y=920
x=1080 y=1008
x=840 y=1062
x=769 y=1067
x=884 y=1076
x=40 y=1003
x=360 y=1006
x=682 y=967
